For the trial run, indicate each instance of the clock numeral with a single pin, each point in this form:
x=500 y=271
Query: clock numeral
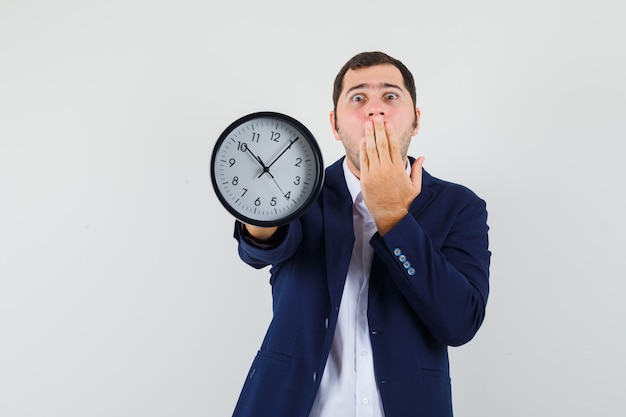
x=232 y=161
x=242 y=146
x=257 y=202
x=235 y=181
x=288 y=195
x=298 y=162
x=255 y=137
x=275 y=136
x=273 y=201
x=297 y=181
x=245 y=190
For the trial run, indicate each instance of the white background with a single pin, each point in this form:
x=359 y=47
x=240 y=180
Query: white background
x=121 y=293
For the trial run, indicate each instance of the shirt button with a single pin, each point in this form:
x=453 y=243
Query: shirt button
x=366 y=401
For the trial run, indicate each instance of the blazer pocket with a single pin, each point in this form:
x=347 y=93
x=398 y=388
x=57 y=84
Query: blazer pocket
x=269 y=354
x=433 y=373
x=269 y=386
x=270 y=367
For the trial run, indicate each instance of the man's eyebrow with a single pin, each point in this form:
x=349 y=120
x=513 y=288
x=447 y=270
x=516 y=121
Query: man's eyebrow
x=374 y=86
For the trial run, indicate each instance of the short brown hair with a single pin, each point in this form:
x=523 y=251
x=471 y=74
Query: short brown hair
x=369 y=59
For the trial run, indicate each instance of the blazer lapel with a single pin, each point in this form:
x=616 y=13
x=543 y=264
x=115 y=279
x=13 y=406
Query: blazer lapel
x=338 y=230
x=426 y=196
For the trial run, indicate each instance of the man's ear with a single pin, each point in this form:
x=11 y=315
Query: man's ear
x=332 y=125
x=418 y=114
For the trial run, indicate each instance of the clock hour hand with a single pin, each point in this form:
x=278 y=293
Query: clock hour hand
x=256 y=158
x=266 y=168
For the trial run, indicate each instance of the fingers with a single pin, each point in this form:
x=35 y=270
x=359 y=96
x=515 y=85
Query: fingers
x=364 y=162
x=416 y=170
x=394 y=147
x=416 y=174
x=382 y=140
x=419 y=162
x=381 y=143
x=370 y=142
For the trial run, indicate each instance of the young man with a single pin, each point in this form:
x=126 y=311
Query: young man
x=378 y=278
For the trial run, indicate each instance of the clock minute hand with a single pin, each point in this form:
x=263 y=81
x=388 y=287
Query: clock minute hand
x=291 y=142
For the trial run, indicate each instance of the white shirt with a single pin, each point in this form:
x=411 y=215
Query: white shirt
x=348 y=387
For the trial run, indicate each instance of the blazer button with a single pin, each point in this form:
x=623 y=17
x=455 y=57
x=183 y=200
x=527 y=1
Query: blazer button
x=402 y=258
x=397 y=252
x=406 y=265
x=411 y=271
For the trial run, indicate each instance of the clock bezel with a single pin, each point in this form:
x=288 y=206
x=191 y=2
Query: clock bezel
x=317 y=157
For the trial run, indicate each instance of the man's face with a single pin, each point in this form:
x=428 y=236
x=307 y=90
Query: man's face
x=367 y=93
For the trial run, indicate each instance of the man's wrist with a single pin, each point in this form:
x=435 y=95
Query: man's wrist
x=389 y=220
x=263 y=237
x=260 y=234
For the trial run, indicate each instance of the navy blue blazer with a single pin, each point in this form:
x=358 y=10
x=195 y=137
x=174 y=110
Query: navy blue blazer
x=428 y=290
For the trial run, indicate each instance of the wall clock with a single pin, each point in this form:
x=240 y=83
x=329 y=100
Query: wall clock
x=267 y=169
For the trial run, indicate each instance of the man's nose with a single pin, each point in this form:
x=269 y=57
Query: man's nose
x=375 y=108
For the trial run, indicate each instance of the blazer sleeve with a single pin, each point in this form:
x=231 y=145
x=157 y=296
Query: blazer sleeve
x=442 y=266
x=289 y=239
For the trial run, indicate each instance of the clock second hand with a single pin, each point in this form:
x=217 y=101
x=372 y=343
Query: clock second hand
x=275 y=182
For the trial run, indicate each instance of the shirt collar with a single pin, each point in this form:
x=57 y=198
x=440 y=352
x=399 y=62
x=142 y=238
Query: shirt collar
x=354 y=185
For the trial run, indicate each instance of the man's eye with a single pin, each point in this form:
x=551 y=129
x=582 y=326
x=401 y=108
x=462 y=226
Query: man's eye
x=358 y=97
x=391 y=96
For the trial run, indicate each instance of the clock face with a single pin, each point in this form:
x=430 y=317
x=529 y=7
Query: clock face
x=267 y=169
